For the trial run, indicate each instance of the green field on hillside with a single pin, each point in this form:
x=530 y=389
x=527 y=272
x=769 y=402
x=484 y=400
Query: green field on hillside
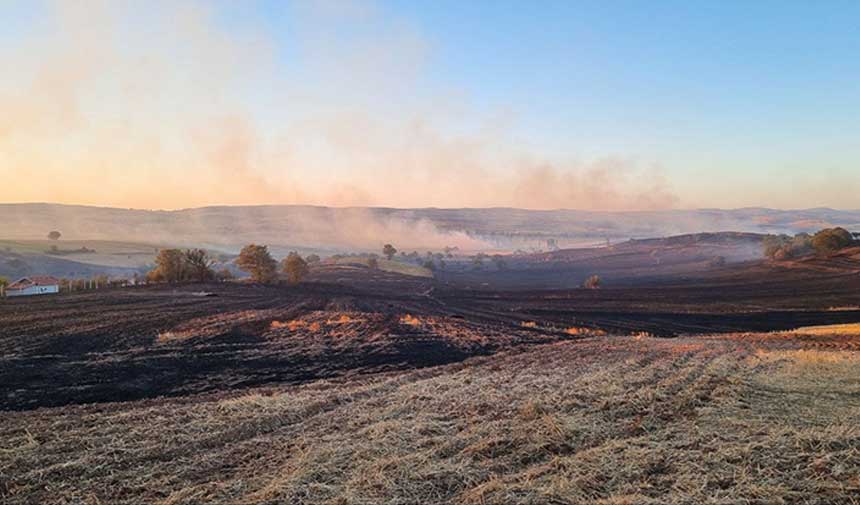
x=386 y=265
x=94 y=252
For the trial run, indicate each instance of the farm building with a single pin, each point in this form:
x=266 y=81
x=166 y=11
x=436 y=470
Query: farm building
x=35 y=285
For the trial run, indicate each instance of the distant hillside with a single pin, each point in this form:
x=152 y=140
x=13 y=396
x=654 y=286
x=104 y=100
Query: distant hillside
x=628 y=263
x=339 y=229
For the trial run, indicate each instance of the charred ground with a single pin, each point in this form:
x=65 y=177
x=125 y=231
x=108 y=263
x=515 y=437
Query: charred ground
x=138 y=343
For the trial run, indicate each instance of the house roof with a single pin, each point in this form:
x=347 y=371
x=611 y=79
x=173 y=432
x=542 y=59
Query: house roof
x=35 y=280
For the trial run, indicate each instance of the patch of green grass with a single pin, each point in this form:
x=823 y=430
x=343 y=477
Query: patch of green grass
x=387 y=266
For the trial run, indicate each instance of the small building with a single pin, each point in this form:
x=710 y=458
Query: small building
x=34 y=285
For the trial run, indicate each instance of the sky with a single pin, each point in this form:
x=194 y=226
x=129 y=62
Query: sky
x=571 y=104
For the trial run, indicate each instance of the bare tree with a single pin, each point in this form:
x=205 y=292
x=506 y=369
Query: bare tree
x=198 y=265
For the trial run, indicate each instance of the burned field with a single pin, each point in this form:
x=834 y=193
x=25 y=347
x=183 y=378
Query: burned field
x=364 y=386
x=149 y=342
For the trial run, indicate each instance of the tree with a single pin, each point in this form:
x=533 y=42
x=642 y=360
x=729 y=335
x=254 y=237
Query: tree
x=197 y=265
x=256 y=261
x=373 y=263
x=783 y=247
x=388 y=251
x=592 y=282
x=429 y=265
x=312 y=258
x=3 y=283
x=169 y=267
x=55 y=235
x=830 y=240
x=295 y=267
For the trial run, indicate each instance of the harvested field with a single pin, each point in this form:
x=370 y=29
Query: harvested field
x=731 y=419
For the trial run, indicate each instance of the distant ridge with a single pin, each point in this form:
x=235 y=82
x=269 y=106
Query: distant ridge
x=369 y=227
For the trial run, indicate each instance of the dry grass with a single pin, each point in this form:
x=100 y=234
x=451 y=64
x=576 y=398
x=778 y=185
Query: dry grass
x=344 y=319
x=410 y=320
x=830 y=329
x=581 y=330
x=607 y=420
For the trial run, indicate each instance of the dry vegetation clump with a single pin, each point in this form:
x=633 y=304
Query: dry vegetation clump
x=830 y=329
x=604 y=420
x=410 y=320
x=293 y=325
x=344 y=319
x=583 y=330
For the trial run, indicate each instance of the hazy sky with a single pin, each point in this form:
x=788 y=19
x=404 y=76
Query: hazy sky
x=573 y=104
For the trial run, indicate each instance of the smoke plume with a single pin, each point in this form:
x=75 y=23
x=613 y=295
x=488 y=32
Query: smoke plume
x=109 y=103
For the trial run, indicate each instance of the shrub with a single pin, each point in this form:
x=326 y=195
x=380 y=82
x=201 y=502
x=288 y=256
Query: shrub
x=593 y=282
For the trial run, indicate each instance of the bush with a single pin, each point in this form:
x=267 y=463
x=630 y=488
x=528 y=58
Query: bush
x=592 y=282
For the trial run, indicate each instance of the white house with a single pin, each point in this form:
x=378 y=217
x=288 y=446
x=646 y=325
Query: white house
x=35 y=285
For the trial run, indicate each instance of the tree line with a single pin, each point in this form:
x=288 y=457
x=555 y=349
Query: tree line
x=195 y=265
x=825 y=242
